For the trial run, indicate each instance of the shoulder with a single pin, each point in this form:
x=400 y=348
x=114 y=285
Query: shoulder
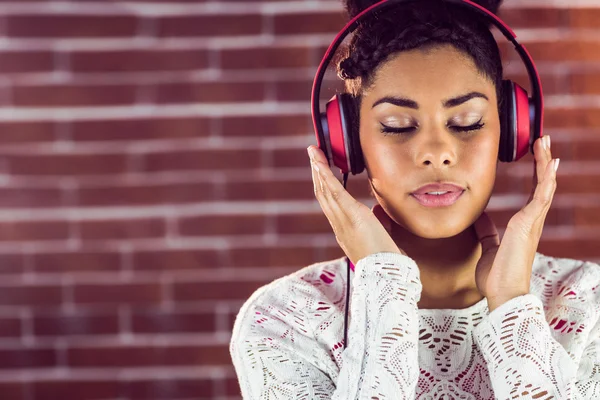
x=297 y=312
x=309 y=290
x=567 y=285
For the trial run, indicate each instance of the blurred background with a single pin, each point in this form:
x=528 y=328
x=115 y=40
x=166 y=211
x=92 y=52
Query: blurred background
x=153 y=174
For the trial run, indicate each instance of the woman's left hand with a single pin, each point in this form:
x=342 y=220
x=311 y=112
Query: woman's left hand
x=504 y=269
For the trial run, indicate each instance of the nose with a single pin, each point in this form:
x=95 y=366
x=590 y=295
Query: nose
x=435 y=150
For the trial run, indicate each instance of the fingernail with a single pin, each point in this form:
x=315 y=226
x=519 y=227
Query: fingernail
x=549 y=143
x=556 y=162
x=311 y=152
x=544 y=142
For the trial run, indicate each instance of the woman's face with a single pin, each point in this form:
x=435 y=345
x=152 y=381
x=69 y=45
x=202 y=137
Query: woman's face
x=431 y=150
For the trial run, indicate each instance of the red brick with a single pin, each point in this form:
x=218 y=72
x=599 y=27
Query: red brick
x=565 y=50
x=196 y=291
x=30 y=295
x=138 y=60
x=166 y=193
x=14 y=390
x=272 y=257
x=26 y=61
x=78 y=261
x=68 y=164
x=117 y=293
x=53 y=25
x=158 y=321
x=584 y=182
x=586 y=216
x=23 y=357
x=10 y=327
x=583 y=17
x=173 y=260
x=212 y=225
x=211 y=92
x=270 y=190
x=12 y=263
x=579 y=249
x=267 y=58
x=210 y=25
x=73 y=95
x=100 y=389
x=308 y=22
x=140 y=129
x=232 y=387
x=584 y=83
x=130 y=356
x=286 y=158
x=302 y=224
x=293 y=91
x=551 y=83
x=170 y=388
x=27 y=132
x=31 y=197
x=266 y=125
x=583 y=150
x=34 y=230
x=202 y=160
x=526 y=17
x=572 y=118
x=122 y=229
x=70 y=325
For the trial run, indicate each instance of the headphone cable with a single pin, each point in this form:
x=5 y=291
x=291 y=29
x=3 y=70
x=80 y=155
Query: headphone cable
x=347 y=287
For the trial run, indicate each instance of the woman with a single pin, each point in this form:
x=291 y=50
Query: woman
x=439 y=308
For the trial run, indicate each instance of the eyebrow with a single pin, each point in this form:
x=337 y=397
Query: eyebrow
x=404 y=102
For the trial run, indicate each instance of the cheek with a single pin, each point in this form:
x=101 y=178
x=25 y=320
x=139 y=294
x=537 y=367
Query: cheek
x=480 y=158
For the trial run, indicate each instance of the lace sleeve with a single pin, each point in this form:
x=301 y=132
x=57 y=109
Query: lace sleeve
x=381 y=361
x=276 y=355
x=524 y=359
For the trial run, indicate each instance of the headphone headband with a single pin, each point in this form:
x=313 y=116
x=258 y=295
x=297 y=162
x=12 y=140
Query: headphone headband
x=536 y=110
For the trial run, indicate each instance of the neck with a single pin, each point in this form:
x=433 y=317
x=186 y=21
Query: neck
x=447 y=267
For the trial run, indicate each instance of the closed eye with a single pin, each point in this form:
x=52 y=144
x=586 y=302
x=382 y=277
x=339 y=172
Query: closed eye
x=389 y=130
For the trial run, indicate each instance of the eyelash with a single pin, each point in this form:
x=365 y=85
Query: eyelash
x=386 y=129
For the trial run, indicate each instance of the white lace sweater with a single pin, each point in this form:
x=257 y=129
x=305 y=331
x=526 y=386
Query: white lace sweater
x=287 y=340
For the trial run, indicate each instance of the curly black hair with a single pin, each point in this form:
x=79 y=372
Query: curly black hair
x=422 y=24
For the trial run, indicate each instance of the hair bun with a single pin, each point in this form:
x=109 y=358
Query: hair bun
x=354 y=7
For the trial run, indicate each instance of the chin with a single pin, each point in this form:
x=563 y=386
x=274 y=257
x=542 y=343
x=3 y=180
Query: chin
x=434 y=227
x=435 y=223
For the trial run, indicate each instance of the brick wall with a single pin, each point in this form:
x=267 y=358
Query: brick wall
x=153 y=174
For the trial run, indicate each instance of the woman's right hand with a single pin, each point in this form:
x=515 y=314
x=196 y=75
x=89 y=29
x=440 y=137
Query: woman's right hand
x=358 y=230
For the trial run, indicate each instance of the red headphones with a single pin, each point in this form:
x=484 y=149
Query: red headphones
x=521 y=117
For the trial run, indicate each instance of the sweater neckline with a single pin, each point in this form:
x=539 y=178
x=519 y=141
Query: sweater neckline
x=478 y=307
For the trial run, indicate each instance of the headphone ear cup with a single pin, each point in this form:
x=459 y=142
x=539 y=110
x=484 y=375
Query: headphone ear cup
x=524 y=122
x=350 y=116
x=515 y=122
x=507 y=122
x=338 y=133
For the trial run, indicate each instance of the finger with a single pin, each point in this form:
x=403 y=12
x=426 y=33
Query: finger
x=542 y=156
x=339 y=206
x=486 y=232
x=333 y=190
x=535 y=212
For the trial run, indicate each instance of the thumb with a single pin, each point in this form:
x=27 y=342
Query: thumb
x=383 y=218
x=486 y=232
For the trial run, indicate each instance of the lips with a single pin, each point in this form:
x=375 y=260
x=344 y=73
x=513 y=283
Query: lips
x=439 y=187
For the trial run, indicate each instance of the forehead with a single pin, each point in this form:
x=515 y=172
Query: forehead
x=441 y=71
